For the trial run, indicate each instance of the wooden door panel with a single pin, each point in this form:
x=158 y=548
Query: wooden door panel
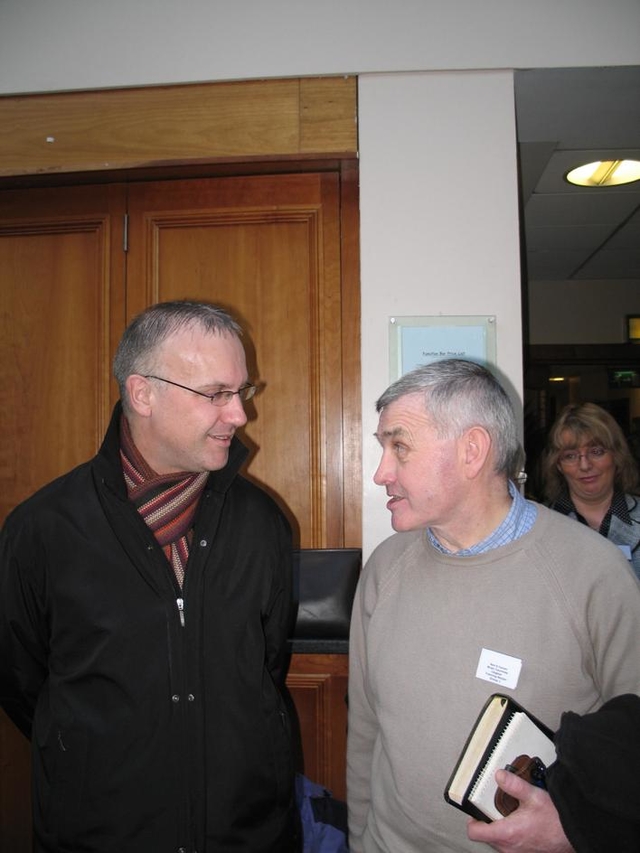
x=61 y=287
x=318 y=686
x=268 y=248
x=61 y=306
x=249 y=258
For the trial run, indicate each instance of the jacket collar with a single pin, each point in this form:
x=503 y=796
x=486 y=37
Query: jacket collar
x=627 y=533
x=620 y=506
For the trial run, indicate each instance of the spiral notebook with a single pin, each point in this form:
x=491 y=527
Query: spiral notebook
x=503 y=731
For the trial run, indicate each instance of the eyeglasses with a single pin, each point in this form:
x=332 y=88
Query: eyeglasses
x=573 y=457
x=218 y=398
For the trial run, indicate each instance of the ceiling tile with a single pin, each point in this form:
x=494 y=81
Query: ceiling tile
x=553 y=266
x=564 y=117
x=608 y=264
x=588 y=209
x=627 y=236
x=586 y=237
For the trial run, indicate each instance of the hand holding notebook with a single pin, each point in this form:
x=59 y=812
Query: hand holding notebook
x=507 y=736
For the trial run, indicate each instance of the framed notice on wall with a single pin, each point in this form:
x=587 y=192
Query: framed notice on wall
x=414 y=341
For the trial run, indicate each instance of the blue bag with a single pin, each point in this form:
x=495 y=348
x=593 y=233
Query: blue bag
x=323 y=818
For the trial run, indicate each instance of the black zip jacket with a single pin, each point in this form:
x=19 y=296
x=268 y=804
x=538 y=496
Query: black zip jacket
x=594 y=784
x=157 y=716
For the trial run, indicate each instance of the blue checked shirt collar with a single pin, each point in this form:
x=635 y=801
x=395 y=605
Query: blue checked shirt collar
x=519 y=520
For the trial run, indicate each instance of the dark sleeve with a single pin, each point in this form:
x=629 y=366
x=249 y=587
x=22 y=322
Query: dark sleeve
x=595 y=782
x=280 y=617
x=23 y=644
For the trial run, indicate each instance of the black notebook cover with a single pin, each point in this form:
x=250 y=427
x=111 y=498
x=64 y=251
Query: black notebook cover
x=502 y=731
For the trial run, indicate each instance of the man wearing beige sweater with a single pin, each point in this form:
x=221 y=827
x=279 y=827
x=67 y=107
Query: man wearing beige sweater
x=478 y=591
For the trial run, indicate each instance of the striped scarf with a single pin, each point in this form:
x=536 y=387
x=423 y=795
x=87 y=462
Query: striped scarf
x=167 y=502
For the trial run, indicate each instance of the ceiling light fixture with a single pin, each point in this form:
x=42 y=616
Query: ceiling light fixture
x=605 y=173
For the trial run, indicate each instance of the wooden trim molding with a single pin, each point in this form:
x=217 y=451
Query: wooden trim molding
x=173 y=125
x=318 y=686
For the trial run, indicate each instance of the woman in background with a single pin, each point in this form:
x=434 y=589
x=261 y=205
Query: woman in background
x=590 y=475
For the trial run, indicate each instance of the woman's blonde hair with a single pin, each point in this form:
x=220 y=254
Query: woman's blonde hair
x=588 y=424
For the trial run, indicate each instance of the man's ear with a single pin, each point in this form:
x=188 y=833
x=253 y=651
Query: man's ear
x=140 y=394
x=476 y=447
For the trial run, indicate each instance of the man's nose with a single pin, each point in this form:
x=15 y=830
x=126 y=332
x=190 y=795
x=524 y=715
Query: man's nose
x=234 y=412
x=383 y=475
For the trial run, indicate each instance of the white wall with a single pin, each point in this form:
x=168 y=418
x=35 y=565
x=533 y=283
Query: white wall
x=424 y=123
x=417 y=196
x=68 y=44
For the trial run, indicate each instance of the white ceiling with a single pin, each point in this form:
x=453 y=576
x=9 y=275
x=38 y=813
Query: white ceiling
x=567 y=117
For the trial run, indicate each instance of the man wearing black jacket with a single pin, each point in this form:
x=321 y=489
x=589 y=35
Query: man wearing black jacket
x=145 y=604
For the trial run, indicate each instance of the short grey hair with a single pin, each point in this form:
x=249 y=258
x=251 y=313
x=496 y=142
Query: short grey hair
x=460 y=394
x=139 y=344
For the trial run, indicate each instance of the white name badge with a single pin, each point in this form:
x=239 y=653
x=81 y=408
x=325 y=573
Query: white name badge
x=498 y=668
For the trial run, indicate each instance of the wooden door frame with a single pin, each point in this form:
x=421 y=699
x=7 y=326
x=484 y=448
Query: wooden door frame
x=253 y=120
x=208 y=130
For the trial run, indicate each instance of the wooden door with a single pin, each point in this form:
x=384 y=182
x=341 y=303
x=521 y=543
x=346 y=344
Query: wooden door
x=62 y=305
x=275 y=251
x=268 y=248
x=272 y=250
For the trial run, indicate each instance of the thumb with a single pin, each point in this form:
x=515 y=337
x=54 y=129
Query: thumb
x=514 y=785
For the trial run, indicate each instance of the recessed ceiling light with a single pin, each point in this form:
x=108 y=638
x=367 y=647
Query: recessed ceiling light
x=605 y=173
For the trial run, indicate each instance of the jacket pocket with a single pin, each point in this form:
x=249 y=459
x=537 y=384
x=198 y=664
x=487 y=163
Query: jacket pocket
x=281 y=738
x=59 y=784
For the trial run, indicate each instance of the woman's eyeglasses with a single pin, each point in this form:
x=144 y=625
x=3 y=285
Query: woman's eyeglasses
x=573 y=457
